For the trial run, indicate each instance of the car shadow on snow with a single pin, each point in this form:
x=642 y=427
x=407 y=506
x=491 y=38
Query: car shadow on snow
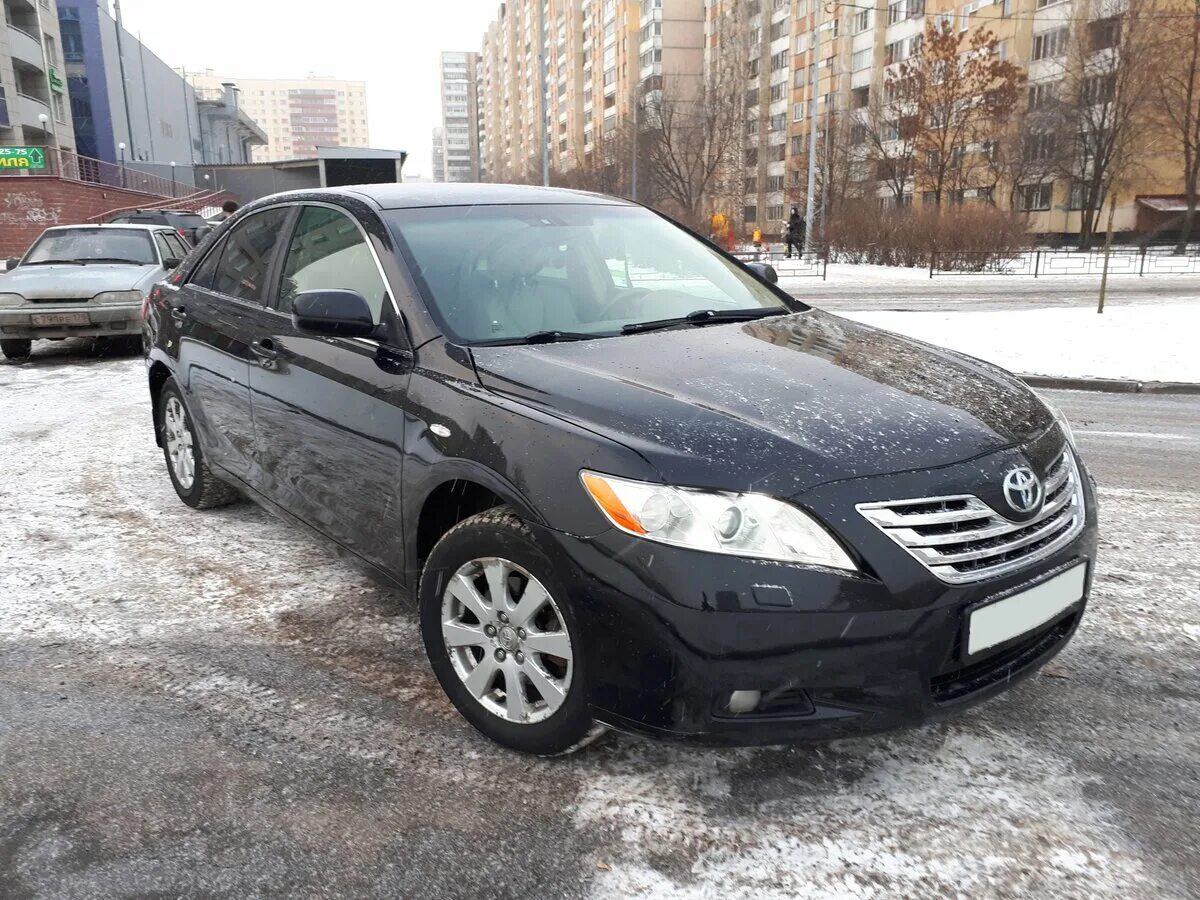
x=78 y=351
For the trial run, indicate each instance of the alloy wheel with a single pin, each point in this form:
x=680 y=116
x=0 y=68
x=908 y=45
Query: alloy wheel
x=178 y=436
x=507 y=640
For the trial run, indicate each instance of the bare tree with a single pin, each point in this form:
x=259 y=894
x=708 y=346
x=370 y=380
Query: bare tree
x=1177 y=99
x=1104 y=102
x=889 y=136
x=962 y=95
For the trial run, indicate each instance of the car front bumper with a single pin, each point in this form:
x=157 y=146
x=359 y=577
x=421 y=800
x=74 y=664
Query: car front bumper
x=114 y=320
x=669 y=633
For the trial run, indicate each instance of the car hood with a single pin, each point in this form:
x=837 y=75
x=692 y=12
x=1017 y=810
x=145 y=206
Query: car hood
x=778 y=405
x=67 y=282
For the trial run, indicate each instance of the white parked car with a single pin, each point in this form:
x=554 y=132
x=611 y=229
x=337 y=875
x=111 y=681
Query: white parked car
x=83 y=281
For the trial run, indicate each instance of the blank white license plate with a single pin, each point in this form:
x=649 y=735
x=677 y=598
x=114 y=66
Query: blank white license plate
x=43 y=319
x=1013 y=616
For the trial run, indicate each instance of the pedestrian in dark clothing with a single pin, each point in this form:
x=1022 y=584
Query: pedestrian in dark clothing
x=795 y=233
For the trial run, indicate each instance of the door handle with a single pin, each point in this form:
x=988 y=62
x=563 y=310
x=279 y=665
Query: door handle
x=178 y=313
x=264 y=349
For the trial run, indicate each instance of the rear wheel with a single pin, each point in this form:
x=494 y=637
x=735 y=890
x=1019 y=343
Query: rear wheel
x=193 y=481
x=16 y=348
x=502 y=638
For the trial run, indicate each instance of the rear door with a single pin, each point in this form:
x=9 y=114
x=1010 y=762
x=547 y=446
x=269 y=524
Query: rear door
x=219 y=314
x=328 y=411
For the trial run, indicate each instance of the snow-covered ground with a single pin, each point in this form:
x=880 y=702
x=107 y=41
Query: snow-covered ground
x=210 y=703
x=1148 y=342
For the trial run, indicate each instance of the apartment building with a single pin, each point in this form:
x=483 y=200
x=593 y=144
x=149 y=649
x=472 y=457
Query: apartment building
x=437 y=155
x=35 y=109
x=601 y=57
x=298 y=114
x=460 y=135
x=806 y=61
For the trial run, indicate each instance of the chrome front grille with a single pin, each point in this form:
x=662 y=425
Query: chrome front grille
x=962 y=539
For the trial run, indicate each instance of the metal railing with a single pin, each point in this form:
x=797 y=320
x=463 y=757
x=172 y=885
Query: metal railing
x=808 y=264
x=73 y=167
x=1046 y=263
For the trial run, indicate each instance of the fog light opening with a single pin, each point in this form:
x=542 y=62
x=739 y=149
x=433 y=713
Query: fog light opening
x=743 y=701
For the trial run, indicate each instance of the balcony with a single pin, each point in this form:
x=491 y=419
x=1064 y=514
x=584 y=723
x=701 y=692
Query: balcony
x=25 y=47
x=27 y=110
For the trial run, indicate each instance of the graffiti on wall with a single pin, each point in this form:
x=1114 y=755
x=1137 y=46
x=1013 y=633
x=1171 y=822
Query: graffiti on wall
x=27 y=208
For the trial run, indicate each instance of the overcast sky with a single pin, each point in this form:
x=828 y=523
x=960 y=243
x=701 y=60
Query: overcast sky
x=392 y=45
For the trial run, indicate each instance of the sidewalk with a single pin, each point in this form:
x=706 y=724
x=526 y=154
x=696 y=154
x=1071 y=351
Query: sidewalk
x=1150 y=342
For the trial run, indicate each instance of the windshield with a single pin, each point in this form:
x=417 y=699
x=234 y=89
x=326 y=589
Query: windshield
x=501 y=273
x=93 y=245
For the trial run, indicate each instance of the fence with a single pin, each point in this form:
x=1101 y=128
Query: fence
x=803 y=265
x=1046 y=263
x=85 y=169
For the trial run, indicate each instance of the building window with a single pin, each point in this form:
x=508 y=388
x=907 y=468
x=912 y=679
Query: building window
x=752 y=97
x=775 y=213
x=1050 y=44
x=778 y=29
x=797 y=144
x=779 y=60
x=862 y=59
x=774 y=183
x=750 y=213
x=862 y=21
x=797 y=112
x=1035 y=197
x=1076 y=194
x=751 y=185
x=801 y=77
x=1039 y=146
x=778 y=91
x=1042 y=94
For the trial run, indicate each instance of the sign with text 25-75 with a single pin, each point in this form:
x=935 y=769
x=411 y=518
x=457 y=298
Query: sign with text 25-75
x=22 y=158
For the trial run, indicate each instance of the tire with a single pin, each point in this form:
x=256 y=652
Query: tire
x=550 y=714
x=190 y=475
x=16 y=348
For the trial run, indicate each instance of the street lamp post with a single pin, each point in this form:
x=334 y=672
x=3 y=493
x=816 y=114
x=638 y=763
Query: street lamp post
x=121 y=147
x=172 y=178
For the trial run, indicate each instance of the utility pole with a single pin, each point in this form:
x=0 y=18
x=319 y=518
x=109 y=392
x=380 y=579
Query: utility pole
x=124 y=83
x=543 y=40
x=814 y=85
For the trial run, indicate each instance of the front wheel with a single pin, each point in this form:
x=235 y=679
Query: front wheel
x=502 y=637
x=16 y=348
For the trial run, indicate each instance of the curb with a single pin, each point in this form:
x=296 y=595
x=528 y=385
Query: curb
x=1111 y=385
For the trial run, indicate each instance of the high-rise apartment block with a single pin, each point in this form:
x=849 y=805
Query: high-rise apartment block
x=796 y=66
x=460 y=135
x=600 y=58
x=298 y=114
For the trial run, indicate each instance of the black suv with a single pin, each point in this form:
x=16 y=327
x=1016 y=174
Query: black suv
x=191 y=226
x=629 y=481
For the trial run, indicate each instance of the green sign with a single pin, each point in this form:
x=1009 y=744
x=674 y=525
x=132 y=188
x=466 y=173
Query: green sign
x=55 y=82
x=22 y=158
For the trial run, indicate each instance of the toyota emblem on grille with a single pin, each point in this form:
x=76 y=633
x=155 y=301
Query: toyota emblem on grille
x=1022 y=489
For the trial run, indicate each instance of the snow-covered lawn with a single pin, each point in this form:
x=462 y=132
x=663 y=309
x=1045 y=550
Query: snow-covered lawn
x=1149 y=342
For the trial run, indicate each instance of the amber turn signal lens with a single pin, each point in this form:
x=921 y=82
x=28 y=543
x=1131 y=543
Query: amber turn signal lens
x=608 y=501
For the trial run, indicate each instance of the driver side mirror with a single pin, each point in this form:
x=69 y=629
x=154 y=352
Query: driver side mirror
x=11 y=263
x=333 y=312
x=766 y=272
x=171 y=262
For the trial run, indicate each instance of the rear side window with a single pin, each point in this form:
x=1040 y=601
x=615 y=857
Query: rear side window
x=164 y=248
x=178 y=248
x=246 y=255
x=205 y=274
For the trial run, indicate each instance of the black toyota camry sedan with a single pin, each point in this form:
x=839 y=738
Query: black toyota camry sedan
x=629 y=481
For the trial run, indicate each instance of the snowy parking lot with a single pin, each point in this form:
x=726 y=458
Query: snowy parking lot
x=211 y=703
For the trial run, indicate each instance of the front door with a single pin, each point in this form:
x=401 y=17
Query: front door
x=328 y=411
x=218 y=314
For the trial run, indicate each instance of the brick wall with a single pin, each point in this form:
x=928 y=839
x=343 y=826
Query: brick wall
x=29 y=205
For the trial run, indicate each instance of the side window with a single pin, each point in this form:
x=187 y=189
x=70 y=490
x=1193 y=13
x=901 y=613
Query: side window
x=246 y=256
x=205 y=274
x=329 y=252
x=164 y=248
x=178 y=248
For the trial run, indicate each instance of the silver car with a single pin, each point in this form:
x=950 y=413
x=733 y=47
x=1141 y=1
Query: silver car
x=84 y=281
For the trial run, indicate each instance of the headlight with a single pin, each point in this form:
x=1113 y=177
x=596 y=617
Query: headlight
x=715 y=521
x=10 y=300
x=1061 y=420
x=118 y=297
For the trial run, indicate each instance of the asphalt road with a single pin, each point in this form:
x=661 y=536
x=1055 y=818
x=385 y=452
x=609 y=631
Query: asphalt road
x=209 y=704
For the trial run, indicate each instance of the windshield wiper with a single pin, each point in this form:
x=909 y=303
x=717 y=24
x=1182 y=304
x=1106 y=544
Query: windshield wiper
x=706 y=317
x=114 y=259
x=551 y=337
x=54 y=262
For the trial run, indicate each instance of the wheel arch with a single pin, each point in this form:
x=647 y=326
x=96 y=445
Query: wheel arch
x=158 y=375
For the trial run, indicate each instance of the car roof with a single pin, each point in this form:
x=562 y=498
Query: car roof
x=409 y=196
